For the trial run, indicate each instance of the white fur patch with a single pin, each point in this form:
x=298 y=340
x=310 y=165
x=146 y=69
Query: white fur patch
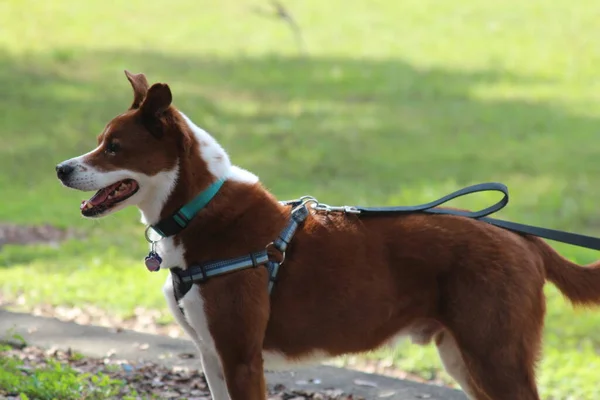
x=193 y=305
x=454 y=364
x=158 y=191
x=241 y=175
x=212 y=153
x=172 y=303
x=216 y=158
x=171 y=254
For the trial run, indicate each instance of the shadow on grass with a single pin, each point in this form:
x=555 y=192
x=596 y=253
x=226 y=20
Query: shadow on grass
x=348 y=129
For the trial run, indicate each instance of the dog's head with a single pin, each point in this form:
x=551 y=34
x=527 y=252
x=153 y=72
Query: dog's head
x=138 y=155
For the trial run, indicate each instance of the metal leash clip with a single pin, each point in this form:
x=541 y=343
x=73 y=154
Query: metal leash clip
x=329 y=209
x=320 y=207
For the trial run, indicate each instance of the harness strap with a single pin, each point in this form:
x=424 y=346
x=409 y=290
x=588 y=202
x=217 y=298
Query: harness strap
x=299 y=214
x=180 y=288
x=183 y=279
x=201 y=272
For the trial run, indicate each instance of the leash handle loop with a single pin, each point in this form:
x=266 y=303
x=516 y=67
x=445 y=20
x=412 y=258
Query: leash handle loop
x=430 y=207
x=574 y=239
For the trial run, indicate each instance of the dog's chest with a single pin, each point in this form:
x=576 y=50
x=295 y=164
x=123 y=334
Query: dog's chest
x=172 y=254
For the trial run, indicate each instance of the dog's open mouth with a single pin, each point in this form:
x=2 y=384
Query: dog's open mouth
x=108 y=197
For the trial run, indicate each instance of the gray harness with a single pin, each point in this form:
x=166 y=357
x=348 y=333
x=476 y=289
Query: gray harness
x=184 y=279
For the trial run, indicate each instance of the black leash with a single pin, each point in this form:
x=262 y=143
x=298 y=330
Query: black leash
x=575 y=239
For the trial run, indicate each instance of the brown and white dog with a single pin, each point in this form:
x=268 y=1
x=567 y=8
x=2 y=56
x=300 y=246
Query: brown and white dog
x=349 y=284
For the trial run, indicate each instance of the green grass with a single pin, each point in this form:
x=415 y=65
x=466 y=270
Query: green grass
x=51 y=381
x=395 y=103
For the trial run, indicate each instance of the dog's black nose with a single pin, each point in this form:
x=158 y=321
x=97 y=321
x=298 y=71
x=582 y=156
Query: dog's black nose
x=63 y=171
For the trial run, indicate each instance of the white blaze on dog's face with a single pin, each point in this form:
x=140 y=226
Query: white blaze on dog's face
x=136 y=161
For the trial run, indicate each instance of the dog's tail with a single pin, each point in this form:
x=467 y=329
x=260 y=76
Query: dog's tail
x=580 y=284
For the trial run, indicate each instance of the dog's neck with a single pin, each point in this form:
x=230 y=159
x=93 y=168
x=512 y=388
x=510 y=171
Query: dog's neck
x=242 y=212
x=189 y=185
x=195 y=170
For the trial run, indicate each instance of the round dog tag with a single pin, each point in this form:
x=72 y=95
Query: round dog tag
x=152 y=262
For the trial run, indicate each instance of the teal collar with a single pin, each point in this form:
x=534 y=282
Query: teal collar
x=177 y=222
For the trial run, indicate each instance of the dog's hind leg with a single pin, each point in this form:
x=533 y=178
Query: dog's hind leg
x=496 y=374
x=498 y=340
x=455 y=366
x=500 y=375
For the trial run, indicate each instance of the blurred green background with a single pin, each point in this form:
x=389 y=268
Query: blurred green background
x=386 y=103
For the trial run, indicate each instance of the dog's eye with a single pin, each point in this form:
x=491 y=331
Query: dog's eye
x=112 y=148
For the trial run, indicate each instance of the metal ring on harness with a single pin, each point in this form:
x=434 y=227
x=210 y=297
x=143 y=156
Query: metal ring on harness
x=272 y=244
x=147 y=236
x=304 y=200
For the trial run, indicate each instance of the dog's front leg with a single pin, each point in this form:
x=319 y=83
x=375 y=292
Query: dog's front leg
x=230 y=331
x=194 y=324
x=244 y=375
x=213 y=373
x=239 y=339
x=237 y=310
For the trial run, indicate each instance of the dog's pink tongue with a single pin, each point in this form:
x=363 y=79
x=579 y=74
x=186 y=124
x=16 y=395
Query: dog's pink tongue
x=99 y=197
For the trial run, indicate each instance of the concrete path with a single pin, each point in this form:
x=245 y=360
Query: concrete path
x=98 y=342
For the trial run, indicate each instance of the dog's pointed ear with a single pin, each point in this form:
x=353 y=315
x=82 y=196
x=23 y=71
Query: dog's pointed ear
x=140 y=88
x=157 y=100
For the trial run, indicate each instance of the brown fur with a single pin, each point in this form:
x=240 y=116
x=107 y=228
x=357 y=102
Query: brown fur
x=350 y=284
